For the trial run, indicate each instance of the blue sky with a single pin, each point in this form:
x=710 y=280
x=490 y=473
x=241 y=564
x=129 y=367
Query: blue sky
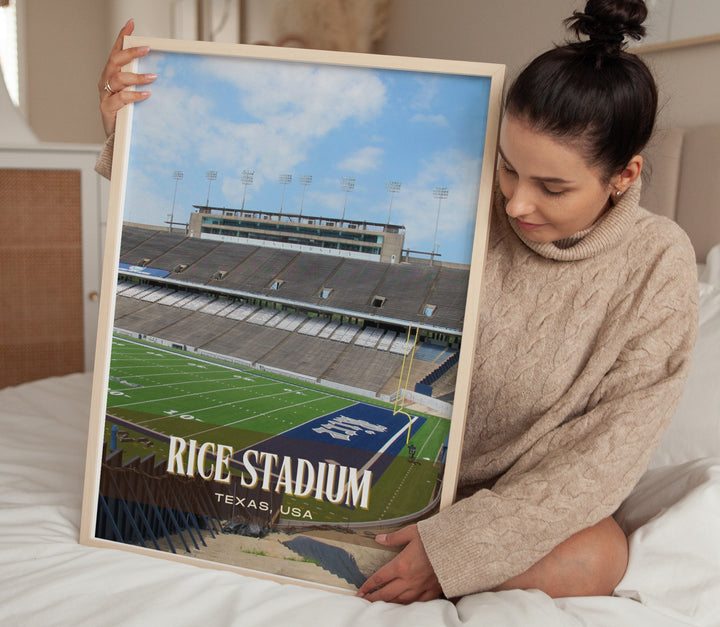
x=230 y=114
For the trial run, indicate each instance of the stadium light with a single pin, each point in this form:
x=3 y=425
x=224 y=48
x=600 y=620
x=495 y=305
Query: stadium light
x=284 y=180
x=347 y=185
x=246 y=179
x=393 y=187
x=305 y=180
x=178 y=176
x=210 y=176
x=441 y=193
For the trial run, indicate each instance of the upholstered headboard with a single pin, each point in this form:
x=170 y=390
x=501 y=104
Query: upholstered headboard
x=683 y=182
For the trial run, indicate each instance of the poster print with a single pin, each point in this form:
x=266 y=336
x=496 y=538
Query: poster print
x=292 y=274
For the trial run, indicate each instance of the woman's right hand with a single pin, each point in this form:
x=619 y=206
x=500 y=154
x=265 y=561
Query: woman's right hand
x=112 y=83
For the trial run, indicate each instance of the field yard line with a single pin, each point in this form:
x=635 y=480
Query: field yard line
x=387 y=445
x=175 y=373
x=230 y=424
x=164 y=385
x=172 y=398
x=115 y=368
x=427 y=439
x=173 y=353
x=251 y=372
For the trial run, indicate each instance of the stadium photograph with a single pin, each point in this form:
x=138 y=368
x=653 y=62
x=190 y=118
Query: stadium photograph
x=288 y=311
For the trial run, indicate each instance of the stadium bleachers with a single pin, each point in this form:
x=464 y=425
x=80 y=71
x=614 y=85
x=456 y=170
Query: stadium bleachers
x=404 y=290
x=172 y=299
x=242 y=312
x=257 y=270
x=216 y=306
x=157 y=295
x=311 y=340
x=198 y=303
x=134 y=236
x=310 y=346
x=450 y=289
x=222 y=258
x=186 y=251
x=149 y=248
x=196 y=329
x=313 y=326
x=148 y=318
x=370 y=337
x=386 y=341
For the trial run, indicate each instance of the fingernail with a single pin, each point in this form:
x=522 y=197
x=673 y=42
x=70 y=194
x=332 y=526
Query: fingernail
x=151 y=77
x=381 y=538
x=144 y=49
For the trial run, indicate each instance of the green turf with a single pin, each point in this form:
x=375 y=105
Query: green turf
x=175 y=393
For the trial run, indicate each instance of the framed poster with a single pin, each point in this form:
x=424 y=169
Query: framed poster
x=290 y=291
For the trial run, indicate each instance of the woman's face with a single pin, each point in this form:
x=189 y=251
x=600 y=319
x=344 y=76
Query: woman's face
x=551 y=193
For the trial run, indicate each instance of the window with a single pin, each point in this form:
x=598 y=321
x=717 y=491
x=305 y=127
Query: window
x=378 y=301
x=325 y=292
x=275 y=285
x=429 y=310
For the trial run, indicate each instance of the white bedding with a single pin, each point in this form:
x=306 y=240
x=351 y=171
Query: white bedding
x=47 y=578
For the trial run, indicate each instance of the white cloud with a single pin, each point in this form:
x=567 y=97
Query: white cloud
x=364 y=160
x=424 y=118
x=265 y=116
x=417 y=208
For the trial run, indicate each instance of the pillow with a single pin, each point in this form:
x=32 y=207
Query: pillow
x=695 y=429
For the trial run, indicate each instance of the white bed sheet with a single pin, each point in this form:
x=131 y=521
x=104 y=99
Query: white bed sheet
x=47 y=578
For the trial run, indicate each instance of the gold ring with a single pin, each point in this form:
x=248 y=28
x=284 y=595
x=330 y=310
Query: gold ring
x=109 y=89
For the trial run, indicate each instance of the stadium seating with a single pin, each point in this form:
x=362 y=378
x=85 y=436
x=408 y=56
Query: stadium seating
x=399 y=290
x=302 y=340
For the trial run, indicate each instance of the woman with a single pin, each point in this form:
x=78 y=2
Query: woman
x=588 y=320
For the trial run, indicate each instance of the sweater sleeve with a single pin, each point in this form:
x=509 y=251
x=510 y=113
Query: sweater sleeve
x=104 y=163
x=578 y=473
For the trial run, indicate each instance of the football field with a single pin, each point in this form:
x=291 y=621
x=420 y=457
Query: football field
x=158 y=392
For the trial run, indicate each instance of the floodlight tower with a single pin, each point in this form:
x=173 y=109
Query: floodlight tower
x=441 y=193
x=393 y=187
x=246 y=179
x=305 y=180
x=284 y=180
x=347 y=185
x=177 y=176
x=210 y=176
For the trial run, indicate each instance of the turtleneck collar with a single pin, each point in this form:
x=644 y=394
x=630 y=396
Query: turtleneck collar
x=605 y=234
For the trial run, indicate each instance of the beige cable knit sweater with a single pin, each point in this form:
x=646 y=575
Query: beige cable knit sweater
x=583 y=350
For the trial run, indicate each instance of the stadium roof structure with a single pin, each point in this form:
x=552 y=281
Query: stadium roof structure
x=430 y=297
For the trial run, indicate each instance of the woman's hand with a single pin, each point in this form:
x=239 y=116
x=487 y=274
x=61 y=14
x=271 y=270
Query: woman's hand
x=113 y=82
x=406 y=578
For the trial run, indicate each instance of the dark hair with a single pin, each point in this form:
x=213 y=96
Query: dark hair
x=592 y=91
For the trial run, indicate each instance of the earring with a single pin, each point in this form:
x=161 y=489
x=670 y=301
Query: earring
x=618 y=193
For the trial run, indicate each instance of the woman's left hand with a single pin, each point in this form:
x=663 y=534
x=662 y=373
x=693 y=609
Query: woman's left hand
x=406 y=578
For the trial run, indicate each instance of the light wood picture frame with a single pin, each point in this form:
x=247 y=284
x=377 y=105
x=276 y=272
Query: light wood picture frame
x=292 y=275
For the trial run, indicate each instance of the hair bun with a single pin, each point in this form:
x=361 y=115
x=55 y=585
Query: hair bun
x=609 y=22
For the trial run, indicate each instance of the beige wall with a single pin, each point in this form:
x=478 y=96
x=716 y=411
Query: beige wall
x=64 y=47
x=514 y=31
x=67 y=44
x=496 y=31
x=689 y=89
